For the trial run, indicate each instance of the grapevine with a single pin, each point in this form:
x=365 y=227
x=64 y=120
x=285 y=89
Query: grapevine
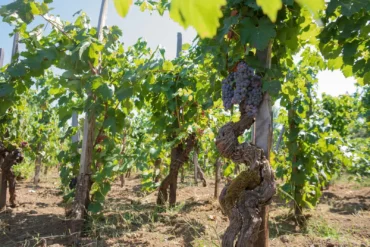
x=256 y=186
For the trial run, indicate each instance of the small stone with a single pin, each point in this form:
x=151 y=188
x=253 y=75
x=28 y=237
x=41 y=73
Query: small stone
x=212 y=217
x=284 y=239
x=32 y=212
x=330 y=245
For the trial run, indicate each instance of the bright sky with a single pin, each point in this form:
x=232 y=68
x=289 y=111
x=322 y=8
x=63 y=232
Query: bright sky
x=156 y=30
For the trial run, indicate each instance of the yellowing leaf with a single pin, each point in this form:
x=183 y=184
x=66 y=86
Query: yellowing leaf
x=335 y=63
x=270 y=7
x=203 y=15
x=185 y=46
x=145 y=5
x=167 y=65
x=122 y=6
x=347 y=70
x=34 y=9
x=314 y=6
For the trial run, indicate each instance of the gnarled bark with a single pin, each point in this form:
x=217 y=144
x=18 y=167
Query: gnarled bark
x=243 y=200
x=3 y=189
x=122 y=179
x=36 y=178
x=157 y=170
x=201 y=175
x=8 y=158
x=198 y=172
x=217 y=176
x=179 y=155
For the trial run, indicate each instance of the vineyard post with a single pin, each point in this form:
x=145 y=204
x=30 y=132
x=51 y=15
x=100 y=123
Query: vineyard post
x=2 y=203
x=2 y=54
x=263 y=139
x=280 y=138
x=195 y=162
x=38 y=164
x=76 y=137
x=84 y=180
x=179 y=44
x=217 y=176
x=15 y=44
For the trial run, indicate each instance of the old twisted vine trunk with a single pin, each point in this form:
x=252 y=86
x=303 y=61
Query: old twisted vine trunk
x=179 y=155
x=8 y=158
x=243 y=200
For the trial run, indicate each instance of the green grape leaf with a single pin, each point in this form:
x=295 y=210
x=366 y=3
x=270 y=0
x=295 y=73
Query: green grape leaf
x=257 y=35
x=105 y=188
x=367 y=78
x=124 y=93
x=96 y=83
x=349 y=52
x=105 y=92
x=122 y=6
x=229 y=170
x=348 y=7
x=272 y=87
x=202 y=15
x=308 y=204
x=111 y=123
x=83 y=47
x=95 y=207
x=270 y=8
x=288 y=2
x=5 y=89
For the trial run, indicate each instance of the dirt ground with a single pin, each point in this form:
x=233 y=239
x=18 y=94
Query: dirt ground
x=131 y=219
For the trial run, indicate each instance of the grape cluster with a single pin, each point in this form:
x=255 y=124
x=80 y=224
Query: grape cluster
x=228 y=91
x=243 y=87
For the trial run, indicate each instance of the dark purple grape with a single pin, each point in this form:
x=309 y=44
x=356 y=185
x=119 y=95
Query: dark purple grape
x=243 y=87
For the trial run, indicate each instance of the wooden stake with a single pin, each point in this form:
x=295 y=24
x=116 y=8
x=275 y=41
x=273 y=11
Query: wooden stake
x=2 y=192
x=2 y=55
x=82 y=199
x=195 y=162
x=76 y=137
x=280 y=138
x=263 y=139
x=179 y=44
x=217 y=177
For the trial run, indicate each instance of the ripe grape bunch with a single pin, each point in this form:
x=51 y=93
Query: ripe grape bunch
x=242 y=87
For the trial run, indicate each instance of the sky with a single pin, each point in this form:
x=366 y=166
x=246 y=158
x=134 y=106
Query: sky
x=156 y=30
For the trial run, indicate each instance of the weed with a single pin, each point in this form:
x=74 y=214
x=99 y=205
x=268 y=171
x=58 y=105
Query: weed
x=321 y=228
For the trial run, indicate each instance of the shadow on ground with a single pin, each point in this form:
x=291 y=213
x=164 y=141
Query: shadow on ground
x=26 y=229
